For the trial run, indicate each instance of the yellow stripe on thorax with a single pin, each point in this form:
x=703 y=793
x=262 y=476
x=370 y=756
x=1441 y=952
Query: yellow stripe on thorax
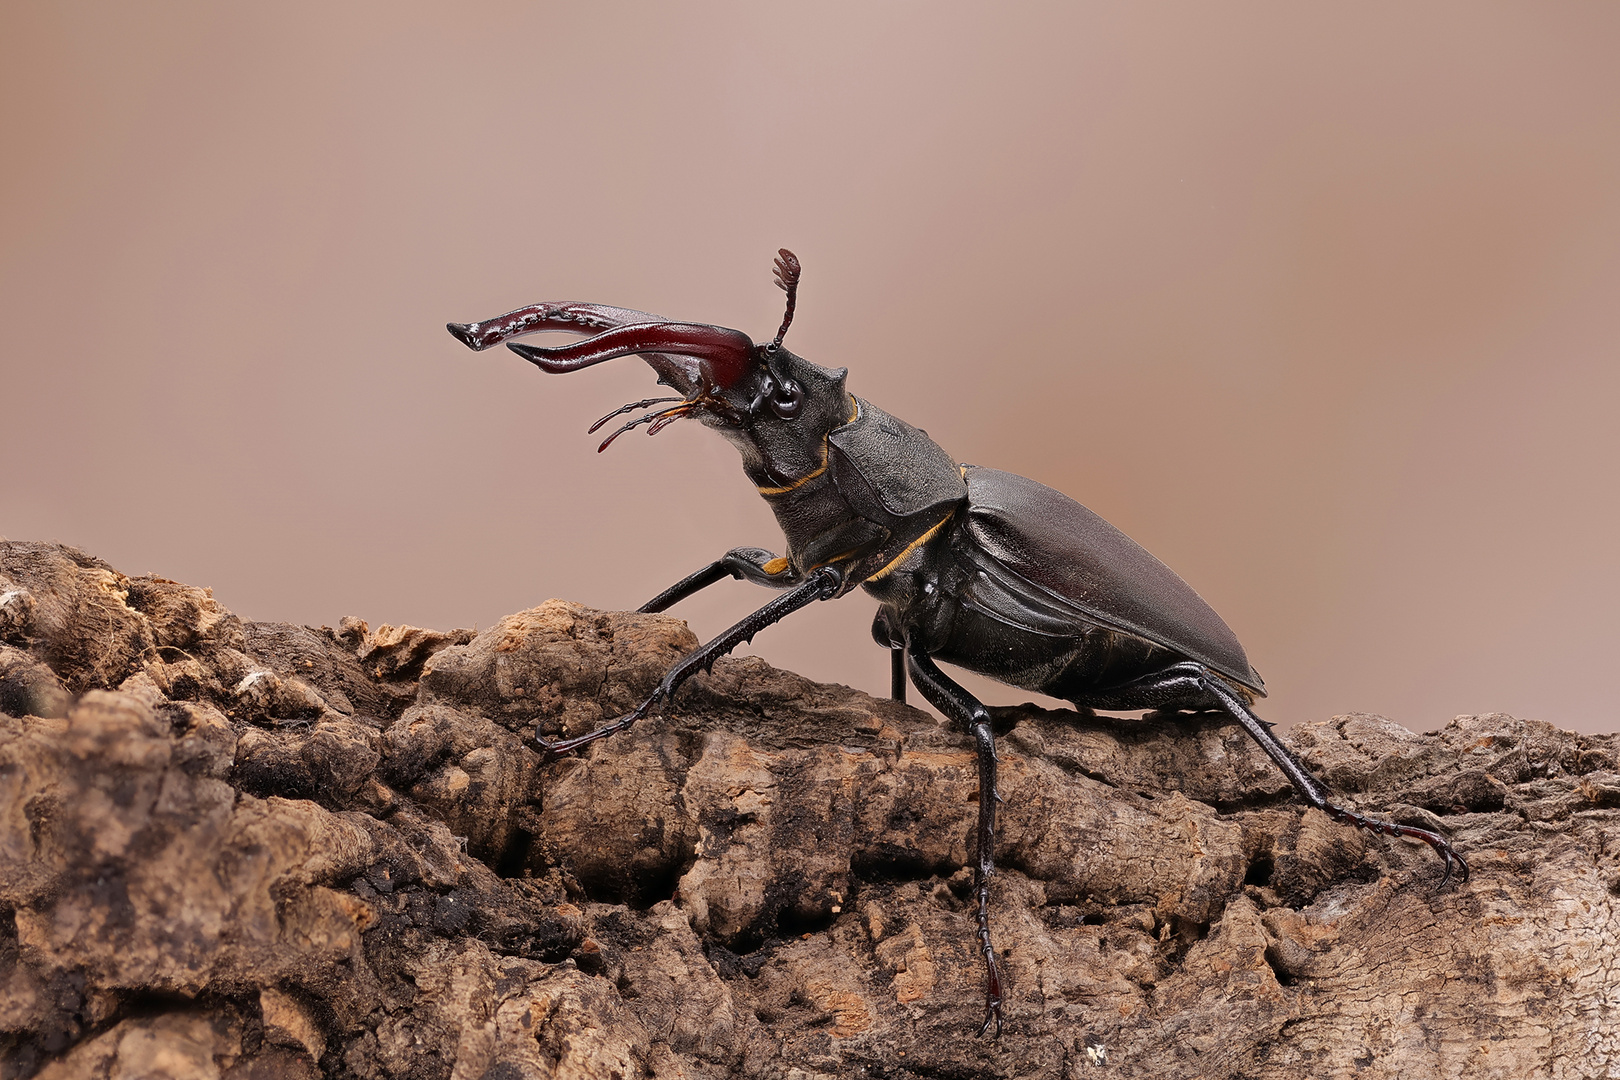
x=836 y=559
x=913 y=546
x=854 y=411
x=805 y=479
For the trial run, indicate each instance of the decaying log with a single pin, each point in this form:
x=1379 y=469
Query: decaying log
x=235 y=849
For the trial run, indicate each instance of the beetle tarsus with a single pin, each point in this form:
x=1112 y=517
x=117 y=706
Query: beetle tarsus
x=561 y=748
x=992 y=1000
x=1440 y=844
x=992 y=972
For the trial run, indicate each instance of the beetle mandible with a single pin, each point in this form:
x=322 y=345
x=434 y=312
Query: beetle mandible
x=979 y=568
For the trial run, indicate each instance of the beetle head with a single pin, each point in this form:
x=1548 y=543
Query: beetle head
x=775 y=406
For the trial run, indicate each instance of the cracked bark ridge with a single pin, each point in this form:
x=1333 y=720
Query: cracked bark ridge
x=234 y=849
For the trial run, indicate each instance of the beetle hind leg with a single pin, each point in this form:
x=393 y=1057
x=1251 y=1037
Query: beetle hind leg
x=1189 y=684
x=1315 y=794
x=955 y=702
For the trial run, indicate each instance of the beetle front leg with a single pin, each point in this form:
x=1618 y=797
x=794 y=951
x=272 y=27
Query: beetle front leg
x=820 y=584
x=955 y=702
x=747 y=564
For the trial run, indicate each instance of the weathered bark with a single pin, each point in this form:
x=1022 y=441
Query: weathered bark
x=236 y=849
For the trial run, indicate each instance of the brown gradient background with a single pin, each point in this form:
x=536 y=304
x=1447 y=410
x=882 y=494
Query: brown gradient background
x=1319 y=303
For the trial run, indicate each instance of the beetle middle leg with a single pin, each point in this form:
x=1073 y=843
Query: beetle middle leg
x=1191 y=685
x=955 y=702
x=885 y=634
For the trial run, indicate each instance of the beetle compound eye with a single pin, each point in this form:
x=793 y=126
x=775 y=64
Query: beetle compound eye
x=787 y=400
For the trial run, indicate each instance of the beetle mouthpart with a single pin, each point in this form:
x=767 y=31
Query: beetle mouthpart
x=658 y=420
x=723 y=355
x=644 y=403
x=465 y=334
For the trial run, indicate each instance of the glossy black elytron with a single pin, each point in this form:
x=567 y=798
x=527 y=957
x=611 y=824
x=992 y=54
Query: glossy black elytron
x=982 y=569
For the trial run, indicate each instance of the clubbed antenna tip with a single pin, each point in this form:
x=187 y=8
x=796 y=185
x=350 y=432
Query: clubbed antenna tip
x=787 y=279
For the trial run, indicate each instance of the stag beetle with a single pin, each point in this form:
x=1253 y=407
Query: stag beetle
x=979 y=568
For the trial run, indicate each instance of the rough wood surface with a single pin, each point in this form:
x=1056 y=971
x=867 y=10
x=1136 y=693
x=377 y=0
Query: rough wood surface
x=234 y=849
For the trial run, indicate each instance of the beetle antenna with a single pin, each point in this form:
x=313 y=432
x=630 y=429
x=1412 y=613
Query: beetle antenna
x=787 y=279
